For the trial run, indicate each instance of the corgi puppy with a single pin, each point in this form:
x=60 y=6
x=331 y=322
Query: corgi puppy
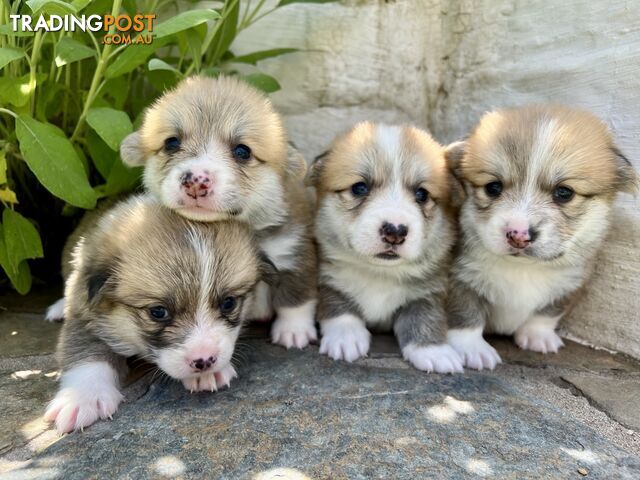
x=215 y=149
x=540 y=182
x=147 y=283
x=384 y=233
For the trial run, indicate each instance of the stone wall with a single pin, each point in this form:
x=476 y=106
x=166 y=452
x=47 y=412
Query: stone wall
x=441 y=64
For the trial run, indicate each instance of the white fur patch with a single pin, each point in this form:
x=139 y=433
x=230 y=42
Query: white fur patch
x=55 y=312
x=281 y=248
x=344 y=338
x=261 y=308
x=474 y=350
x=295 y=326
x=538 y=335
x=433 y=358
x=87 y=392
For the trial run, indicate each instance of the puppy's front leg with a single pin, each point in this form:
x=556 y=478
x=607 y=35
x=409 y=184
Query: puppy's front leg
x=420 y=329
x=344 y=334
x=538 y=332
x=89 y=385
x=467 y=315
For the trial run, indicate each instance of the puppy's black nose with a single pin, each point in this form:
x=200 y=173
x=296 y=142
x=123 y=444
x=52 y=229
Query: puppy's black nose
x=521 y=238
x=195 y=185
x=393 y=234
x=202 y=364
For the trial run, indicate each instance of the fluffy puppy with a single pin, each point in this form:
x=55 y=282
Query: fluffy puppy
x=384 y=233
x=540 y=182
x=147 y=283
x=216 y=149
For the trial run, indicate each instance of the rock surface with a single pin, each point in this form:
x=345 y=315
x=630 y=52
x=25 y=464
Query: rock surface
x=294 y=414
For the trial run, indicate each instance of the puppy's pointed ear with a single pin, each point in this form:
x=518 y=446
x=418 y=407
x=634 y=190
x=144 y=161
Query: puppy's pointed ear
x=131 y=150
x=628 y=179
x=296 y=164
x=315 y=170
x=96 y=282
x=268 y=270
x=453 y=154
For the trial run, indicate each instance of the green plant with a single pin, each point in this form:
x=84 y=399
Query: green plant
x=67 y=99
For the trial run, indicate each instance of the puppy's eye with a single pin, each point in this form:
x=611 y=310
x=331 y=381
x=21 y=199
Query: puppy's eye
x=159 y=313
x=241 y=152
x=562 y=194
x=172 y=144
x=493 y=189
x=228 y=305
x=360 y=189
x=422 y=195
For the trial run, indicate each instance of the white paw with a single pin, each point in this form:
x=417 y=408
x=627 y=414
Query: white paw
x=295 y=326
x=433 y=358
x=345 y=338
x=474 y=350
x=210 y=381
x=88 y=393
x=538 y=338
x=55 y=312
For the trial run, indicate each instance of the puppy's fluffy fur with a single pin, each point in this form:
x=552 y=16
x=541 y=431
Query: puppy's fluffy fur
x=540 y=182
x=384 y=233
x=150 y=284
x=216 y=149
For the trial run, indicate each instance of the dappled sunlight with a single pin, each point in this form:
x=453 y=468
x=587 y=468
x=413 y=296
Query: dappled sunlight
x=25 y=374
x=586 y=455
x=479 y=467
x=281 y=474
x=169 y=466
x=449 y=409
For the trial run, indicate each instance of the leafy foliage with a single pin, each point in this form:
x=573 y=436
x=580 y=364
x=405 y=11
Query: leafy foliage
x=67 y=99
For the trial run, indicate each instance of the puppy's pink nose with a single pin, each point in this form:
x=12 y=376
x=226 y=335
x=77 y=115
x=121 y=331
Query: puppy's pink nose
x=202 y=364
x=196 y=185
x=520 y=238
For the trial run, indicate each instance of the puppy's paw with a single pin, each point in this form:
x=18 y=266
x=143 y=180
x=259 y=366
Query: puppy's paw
x=538 y=338
x=75 y=408
x=55 y=312
x=433 y=358
x=295 y=326
x=474 y=351
x=345 y=338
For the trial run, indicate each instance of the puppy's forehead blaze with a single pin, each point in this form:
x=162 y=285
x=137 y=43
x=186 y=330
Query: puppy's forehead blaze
x=200 y=110
x=382 y=152
x=550 y=145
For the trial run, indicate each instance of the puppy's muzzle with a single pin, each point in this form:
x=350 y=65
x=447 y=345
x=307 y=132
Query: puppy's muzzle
x=393 y=234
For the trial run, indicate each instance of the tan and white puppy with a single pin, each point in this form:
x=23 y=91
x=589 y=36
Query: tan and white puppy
x=385 y=233
x=216 y=149
x=147 y=283
x=540 y=182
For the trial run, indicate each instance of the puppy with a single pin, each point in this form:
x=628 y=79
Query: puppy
x=384 y=233
x=147 y=283
x=540 y=182
x=216 y=149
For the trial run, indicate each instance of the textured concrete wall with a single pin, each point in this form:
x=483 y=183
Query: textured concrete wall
x=441 y=64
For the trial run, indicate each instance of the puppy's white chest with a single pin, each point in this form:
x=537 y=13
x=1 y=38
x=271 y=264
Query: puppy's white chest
x=516 y=290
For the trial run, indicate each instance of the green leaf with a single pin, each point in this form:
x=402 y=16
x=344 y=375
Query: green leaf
x=112 y=125
x=17 y=91
x=80 y=4
x=132 y=57
x=282 y=3
x=52 y=159
x=69 y=50
x=262 y=82
x=122 y=178
x=3 y=167
x=157 y=64
x=101 y=155
x=20 y=275
x=183 y=21
x=226 y=33
x=7 y=29
x=10 y=54
x=20 y=237
x=55 y=7
x=255 y=57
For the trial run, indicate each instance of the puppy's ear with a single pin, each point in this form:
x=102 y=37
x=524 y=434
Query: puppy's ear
x=453 y=154
x=296 y=164
x=96 y=278
x=131 y=150
x=313 y=175
x=268 y=271
x=627 y=177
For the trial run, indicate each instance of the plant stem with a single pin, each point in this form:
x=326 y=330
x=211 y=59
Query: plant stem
x=33 y=68
x=97 y=75
x=9 y=112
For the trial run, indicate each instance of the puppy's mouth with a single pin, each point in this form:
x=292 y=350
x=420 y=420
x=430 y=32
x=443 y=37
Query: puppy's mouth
x=388 y=255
